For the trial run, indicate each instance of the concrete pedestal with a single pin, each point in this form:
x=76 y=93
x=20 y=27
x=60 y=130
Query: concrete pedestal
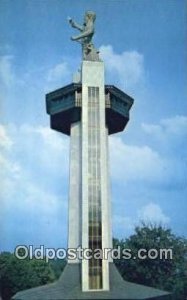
x=69 y=287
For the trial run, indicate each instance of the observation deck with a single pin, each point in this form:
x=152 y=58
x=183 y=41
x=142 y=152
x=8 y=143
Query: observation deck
x=64 y=107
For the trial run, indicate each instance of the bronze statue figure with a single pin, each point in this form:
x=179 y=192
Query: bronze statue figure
x=85 y=37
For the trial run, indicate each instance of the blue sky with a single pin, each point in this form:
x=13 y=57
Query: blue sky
x=143 y=45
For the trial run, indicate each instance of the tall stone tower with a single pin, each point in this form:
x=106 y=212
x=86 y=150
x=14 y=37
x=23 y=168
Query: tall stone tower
x=89 y=111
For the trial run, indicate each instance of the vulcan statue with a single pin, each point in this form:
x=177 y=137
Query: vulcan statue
x=85 y=37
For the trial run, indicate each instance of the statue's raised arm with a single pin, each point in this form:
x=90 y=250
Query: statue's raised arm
x=76 y=25
x=85 y=37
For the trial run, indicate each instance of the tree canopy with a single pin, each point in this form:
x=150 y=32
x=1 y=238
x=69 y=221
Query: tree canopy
x=17 y=275
x=169 y=273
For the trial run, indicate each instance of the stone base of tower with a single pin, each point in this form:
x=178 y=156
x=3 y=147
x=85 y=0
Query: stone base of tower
x=69 y=287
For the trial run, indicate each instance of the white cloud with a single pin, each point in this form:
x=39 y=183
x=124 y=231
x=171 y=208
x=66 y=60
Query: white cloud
x=12 y=168
x=40 y=149
x=153 y=213
x=174 y=126
x=169 y=136
x=52 y=139
x=5 y=140
x=149 y=213
x=127 y=66
x=35 y=151
x=39 y=214
x=130 y=162
x=32 y=198
x=7 y=166
x=58 y=72
x=38 y=157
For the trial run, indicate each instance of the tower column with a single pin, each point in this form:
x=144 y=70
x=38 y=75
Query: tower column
x=95 y=218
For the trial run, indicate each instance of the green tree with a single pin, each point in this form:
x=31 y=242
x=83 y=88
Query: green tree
x=17 y=275
x=164 y=273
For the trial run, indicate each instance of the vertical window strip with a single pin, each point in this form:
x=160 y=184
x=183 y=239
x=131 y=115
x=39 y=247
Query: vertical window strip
x=95 y=265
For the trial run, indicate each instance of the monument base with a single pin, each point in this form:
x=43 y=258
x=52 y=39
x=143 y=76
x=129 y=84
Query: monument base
x=69 y=287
